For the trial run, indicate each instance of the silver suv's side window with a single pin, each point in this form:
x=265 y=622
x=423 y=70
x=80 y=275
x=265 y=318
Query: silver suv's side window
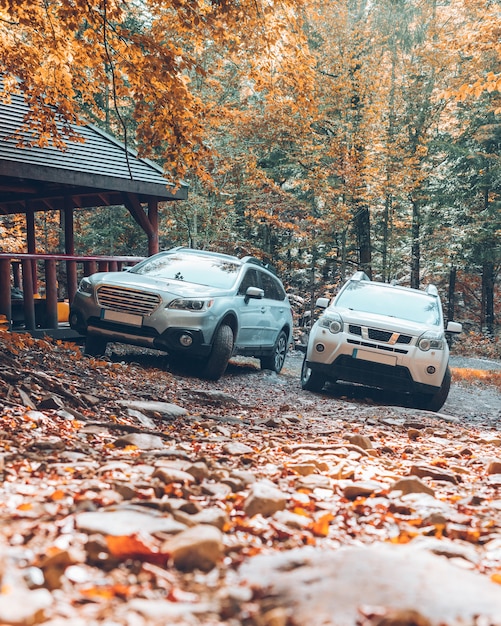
x=272 y=288
x=250 y=279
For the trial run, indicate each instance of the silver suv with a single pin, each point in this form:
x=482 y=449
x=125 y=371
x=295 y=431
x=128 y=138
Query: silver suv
x=196 y=305
x=383 y=336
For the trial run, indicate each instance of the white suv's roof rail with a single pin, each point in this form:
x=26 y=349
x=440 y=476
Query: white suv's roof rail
x=360 y=276
x=431 y=290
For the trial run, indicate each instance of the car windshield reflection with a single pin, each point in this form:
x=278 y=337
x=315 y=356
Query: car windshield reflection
x=200 y=269
x=369 y=298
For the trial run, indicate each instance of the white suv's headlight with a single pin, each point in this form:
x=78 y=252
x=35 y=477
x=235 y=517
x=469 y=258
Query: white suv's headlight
x=431 y=341
x=85 y=286
x=332 y=321
x=191 y=304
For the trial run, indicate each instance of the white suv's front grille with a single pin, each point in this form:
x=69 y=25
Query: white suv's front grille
x=375 y=334
x=127 y=300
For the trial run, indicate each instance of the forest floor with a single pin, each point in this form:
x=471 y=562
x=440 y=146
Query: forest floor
x=139 y=496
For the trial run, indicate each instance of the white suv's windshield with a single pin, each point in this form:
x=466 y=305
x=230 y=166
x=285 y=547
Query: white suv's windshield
x=368 y=297
x=199 y=269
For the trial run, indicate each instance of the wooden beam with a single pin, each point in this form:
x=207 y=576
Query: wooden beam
x=136 y=210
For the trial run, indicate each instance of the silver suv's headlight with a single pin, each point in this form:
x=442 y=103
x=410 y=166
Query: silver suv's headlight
x=431 y=341
x=191 y=304
x=85 y=286
x=332 y=321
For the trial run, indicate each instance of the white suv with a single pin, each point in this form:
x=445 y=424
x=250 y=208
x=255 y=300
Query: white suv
x=383 y=336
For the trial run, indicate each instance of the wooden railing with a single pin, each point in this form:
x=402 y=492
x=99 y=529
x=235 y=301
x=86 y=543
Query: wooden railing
x=45 y=280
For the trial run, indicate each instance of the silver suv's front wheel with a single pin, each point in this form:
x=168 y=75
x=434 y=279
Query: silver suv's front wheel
x=222 y=349
x=310 y=380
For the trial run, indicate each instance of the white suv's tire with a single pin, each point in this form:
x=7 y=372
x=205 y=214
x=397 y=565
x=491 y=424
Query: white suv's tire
x=310 y=380
x=437 y=400
x=222 y=349
x=275 y=362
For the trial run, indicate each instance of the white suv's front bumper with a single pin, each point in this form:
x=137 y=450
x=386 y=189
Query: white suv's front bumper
x=376 y=356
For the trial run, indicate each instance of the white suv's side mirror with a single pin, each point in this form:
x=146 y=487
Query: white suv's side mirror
x=322 y=303
x=454 y=327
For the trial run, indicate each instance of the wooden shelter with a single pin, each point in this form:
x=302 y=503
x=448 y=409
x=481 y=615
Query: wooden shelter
x=99 y=171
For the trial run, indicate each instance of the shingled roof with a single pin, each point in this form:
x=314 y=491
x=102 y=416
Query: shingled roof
x=97 y=172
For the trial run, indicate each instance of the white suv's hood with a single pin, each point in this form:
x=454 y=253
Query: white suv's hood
x=383 y=322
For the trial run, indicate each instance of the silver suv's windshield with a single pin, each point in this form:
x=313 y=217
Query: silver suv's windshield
x=199 y=269
x=368 y=297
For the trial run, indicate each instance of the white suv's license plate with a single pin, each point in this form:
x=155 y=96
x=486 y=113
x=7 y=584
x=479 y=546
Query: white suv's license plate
x=122 y=318
x=375 y=357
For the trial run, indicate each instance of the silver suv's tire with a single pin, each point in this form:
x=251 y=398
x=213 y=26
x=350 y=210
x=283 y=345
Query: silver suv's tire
x=94 y=345
x=275 y=362
x=436 y=401
x=222 y=349
x=310 y=380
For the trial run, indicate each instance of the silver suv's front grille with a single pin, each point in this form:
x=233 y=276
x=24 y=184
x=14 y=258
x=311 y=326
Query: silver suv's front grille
x=127 y=300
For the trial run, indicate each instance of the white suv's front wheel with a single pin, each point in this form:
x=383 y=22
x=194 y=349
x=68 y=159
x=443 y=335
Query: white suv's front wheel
x=436 y=401
x=310 y=380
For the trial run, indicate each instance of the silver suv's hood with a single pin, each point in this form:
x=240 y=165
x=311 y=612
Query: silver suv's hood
x=167 y=289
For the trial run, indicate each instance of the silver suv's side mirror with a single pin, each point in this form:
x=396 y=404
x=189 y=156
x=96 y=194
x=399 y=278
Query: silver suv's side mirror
x=253 y=292
x=454 y=327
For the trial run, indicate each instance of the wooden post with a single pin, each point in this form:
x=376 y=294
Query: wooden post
x=69 y=248
x=153 y=218
x=31 y=244
x=5 y=302
x=51 y=320
x=29 y=303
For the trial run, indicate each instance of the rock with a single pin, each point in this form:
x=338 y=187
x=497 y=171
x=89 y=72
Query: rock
x=362 y=488
x=125 y=522
x=142 y=441
x=237 y=448
x=198 y=470
x=435 y=473
x=143 y=419
x=411 y=485
x=165 y=409
x=50 y=401
x=361 y=441
x=403 y=578
x=172 y=475
x=19 y=607
x=200 y=547
x=494 y=467
x=264 y=499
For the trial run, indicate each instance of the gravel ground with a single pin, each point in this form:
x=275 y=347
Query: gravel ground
x=479 y=404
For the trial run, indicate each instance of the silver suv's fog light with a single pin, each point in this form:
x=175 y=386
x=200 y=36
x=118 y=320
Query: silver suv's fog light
x=430 y=369
x=320 y=347
x=186 y=340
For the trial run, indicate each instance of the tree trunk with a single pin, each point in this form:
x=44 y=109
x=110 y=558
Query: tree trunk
x=487 y=305
x=363 y=232
x=452 y=294
x=415 y=246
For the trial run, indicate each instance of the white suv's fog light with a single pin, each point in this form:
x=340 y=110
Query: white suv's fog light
x=186 y=340
x=320 y=347
x=430 y=369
